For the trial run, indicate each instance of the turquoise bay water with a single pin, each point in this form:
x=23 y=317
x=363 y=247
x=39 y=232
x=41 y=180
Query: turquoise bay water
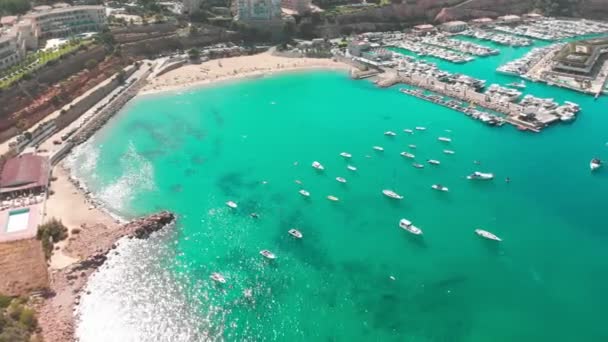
x=192 y=151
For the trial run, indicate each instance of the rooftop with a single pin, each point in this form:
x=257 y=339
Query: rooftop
x=24 y=172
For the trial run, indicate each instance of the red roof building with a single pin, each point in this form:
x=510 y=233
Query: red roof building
x=27 y=172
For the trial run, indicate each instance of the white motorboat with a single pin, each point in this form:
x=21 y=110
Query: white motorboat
x=350 y=167
x=268 y=254
x=407 y=225
x=304 y=193
x=218 y=277
x=481 y=175
x=317 y=165
x=407 y=130
x=341 y=180
x=297 y=181
x=411 y=146
x=521 y=84
x=418 y=166
x=440 y=187
x=487 y=235
x=420 y=128
x=346 y=154
x=378 y=148
x=392 y=194
x=231 y=204
x=407 y=155
x=295 y=233
x=595 y=164
x=390 y=133
x=333 y=198
x=448 y=152
x=433 y=162
x=444 y=139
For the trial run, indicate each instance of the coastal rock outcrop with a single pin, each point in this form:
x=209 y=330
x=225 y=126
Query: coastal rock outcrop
x=56 y=315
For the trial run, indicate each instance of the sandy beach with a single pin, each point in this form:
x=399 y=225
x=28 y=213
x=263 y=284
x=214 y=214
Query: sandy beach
x=235 y=67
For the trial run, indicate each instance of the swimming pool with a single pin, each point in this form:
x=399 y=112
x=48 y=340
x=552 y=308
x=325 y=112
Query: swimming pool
x=18 y=220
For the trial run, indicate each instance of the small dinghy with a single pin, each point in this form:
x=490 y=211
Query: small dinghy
x=407 y=225
x=317 y=165
x=295 y=233
x=440 y=187
x=218 y=277
x=411 y=146
x=341 y=180
x=268 y=254
x=595 y=164
x=304 y=193
x=487 y=235
x=392 y=194
x=232 y=204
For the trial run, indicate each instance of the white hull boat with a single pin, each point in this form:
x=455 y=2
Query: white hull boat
x=390 y=133
x=268 y=254
x=304 y=193
x=232 y=204
x=440 y=187
x=341 y=180
x=346 y=155
x=295 y=233
x=434 y=162
x=411 y=146
x=420 y=128
x=444 y=139
x=448 y=152
x=481 y=176
x=487 y=235
x=409 y=131
x=352 y=168
x=595 y=164
x=218 y=277
x=318 y=165
x=333 y=198
x=407 y=155
x=392 y=194
x=407 y=225
x=418 y=166
x=378 y=148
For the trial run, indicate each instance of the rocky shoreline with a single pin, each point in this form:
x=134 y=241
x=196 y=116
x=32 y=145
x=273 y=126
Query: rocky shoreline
x=56 y=311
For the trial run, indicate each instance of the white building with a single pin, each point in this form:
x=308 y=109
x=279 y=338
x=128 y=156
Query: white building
x=258 y=10
x=66 y=21
x=511 y=18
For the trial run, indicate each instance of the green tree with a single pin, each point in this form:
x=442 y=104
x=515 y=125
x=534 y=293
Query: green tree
x=90 y=64
x=11 y=7
x=194 y=54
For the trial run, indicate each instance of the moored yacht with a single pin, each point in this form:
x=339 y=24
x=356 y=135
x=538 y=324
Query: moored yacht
x=420 y=128
x=231 y=204
x=390 y=133
x=333 y=198
x=418 y=166
x=304 y=193
x=350 y=167
x=407 y=130
x=595 y=164
x=346 y=154
x=268 y=254
x=487 y=235
x=218 y=277
x=341 y=180
x=440 y=187
x=433 y=162
x=317 y=165
x=392 y=194
x=481 y=175
x=448 y=152
x=295 y=233
x=407 y=155
x=411 y=146
x=407 y=225
x=378 y=148
x=521 y=84
x=444 y=139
